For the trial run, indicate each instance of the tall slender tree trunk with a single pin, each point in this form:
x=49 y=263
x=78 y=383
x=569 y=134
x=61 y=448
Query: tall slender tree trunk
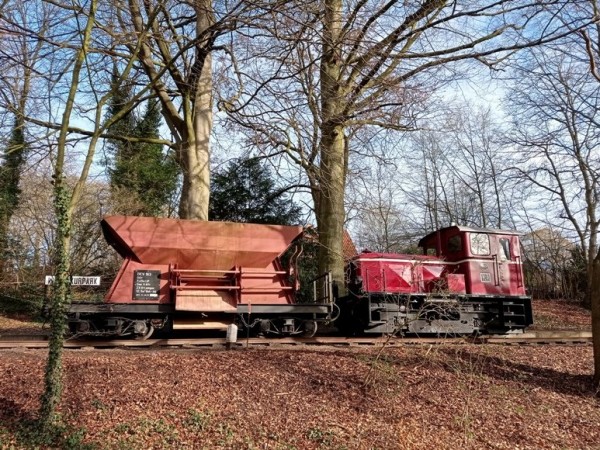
x=63 y=206
x=594 y=290
x=195 y=193
x=60 y=301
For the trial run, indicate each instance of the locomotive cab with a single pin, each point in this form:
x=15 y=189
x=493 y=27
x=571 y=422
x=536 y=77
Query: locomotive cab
x=489 y=259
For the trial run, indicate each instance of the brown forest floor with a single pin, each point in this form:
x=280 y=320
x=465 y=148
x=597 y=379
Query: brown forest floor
x=422 y=397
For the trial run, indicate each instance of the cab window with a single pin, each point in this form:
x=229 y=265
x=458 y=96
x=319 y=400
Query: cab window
x=455 y=244
x=480 y=244
x=430 y=251
x=504 y=249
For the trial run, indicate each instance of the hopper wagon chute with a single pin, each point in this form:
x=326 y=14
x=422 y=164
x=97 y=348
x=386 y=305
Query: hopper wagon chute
x=187 y=274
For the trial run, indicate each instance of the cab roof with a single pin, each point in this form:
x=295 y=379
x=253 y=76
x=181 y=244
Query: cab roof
x=463 y=228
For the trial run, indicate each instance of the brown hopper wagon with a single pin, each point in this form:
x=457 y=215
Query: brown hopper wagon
x=188 y=274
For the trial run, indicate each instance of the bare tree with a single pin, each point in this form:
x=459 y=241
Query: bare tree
x=554 y=102
x=319 y=70
x=177 y=41
x=78 y=87
x=18 y=58
x=591 y=38
x=451 y=170
x=548 y=258
x=162 y=29
x=33 y=230
x=381 y=220
x=475 y=161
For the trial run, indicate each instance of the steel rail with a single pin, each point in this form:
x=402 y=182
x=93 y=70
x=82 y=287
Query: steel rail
x=539 y=337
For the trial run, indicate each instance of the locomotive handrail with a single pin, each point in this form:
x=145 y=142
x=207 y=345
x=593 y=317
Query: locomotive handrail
x=519 y=271
x=226 y=279
x=204 y=277
x=496 y=270
x=232 y=272
x=259 y=272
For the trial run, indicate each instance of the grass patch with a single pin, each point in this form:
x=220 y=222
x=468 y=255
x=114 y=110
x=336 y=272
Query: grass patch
x=197 y=421
x=26 y=307
x=323 y=437
x=137 y=434
x=29 y=434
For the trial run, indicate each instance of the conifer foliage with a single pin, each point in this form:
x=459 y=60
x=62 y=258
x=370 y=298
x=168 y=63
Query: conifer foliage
x=246 y=192
x=11 y=166
x=141 y=174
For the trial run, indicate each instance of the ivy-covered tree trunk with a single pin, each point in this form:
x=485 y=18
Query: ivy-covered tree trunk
x=60 y=301
x=64 y=203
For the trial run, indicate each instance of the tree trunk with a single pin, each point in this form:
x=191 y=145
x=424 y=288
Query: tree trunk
x=332 y=169
x=58 y=307
x=191 y=120
x=593 y=257
x=195 y=193
x=331 y=204
x=594 y=290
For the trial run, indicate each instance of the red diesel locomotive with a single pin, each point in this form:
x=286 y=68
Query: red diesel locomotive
x=191 y=275
x=467 y=280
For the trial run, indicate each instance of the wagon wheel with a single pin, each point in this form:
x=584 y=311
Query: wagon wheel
x=146 y=335
x=310 y=328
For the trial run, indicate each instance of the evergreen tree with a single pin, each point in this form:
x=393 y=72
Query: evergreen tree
x=142 y=177
x=245 y=192
x=11 y=167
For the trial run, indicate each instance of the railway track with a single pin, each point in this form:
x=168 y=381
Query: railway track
x=539 y=337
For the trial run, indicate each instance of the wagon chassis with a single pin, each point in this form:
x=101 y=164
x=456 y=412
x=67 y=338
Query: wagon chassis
x=141 y=320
